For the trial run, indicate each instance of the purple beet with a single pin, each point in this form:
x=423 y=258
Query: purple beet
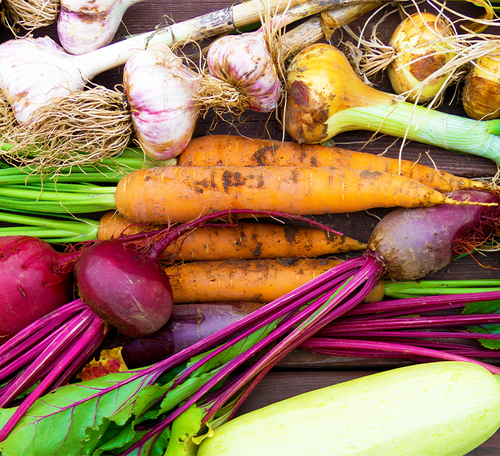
x=125 y=287
x=188 y=324
x=416 y=242
x=35 y=280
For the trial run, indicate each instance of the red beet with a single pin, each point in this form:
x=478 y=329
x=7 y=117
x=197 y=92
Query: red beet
x=416 y=242
x=125 y=287
x=121 y=283
x=35 y=280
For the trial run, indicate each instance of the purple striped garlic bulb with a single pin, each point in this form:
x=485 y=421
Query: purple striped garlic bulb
x=159 y=89
x=245 y=62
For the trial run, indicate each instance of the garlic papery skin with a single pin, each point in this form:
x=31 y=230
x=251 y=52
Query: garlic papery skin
x=26 y=63
x=420 y=48
x=159 y=89
x=86 y=25
x=244 y=62
x=32 y=70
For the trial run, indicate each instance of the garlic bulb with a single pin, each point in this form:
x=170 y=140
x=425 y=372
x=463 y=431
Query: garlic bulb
x=419 y=44
x=244 y=62
x=32 y=70
x=481 y=92
x=249 y=63
x=159 y=90
x=85 y=25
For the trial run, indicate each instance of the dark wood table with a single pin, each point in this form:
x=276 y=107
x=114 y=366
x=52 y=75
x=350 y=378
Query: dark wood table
x=301 y=371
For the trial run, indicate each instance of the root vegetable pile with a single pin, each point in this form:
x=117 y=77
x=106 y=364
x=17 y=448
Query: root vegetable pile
x=146 y=290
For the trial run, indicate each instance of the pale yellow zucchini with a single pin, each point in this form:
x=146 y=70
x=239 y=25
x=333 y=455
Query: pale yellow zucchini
x=434 y=409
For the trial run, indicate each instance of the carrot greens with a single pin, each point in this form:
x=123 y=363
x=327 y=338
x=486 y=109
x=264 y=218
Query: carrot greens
x=42 y=205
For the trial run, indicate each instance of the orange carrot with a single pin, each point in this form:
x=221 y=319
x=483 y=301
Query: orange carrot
x=242 y=280
x=179 y=194
x=239 y=241
x=224 y=150
x=113 y=225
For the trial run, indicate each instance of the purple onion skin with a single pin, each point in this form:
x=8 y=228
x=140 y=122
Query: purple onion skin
x=125 y=287
x=188 y=324
x=416 y=242
x=35 y=280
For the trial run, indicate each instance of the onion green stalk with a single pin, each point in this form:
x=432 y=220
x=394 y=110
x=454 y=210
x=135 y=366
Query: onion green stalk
x=108 y=170
x=62 y=229
x=60 y=198
x=313 y=115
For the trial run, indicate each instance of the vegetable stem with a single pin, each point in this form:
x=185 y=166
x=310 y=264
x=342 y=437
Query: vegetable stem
x=330 y=347
x=210 y=24
x=418 y=123
x=56 y=360
x=83 y=199
x=50 y=229
x=441 y=287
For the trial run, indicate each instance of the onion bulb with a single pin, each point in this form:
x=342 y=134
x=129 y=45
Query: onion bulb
x=159 y=90
x=251 y=63
x=481 y=92
x=420 y=49
x=325 y=97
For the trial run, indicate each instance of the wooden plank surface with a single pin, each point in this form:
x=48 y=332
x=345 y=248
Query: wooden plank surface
x=302 y=371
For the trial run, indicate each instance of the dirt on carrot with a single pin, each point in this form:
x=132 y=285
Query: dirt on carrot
x=242 y=280
x=242 y=240
x=226 y=150
x=179 y=194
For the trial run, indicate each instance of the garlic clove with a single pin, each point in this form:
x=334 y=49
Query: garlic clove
x=245 y=62
x=86 y=25
x=34 y=70
x=159 y=90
